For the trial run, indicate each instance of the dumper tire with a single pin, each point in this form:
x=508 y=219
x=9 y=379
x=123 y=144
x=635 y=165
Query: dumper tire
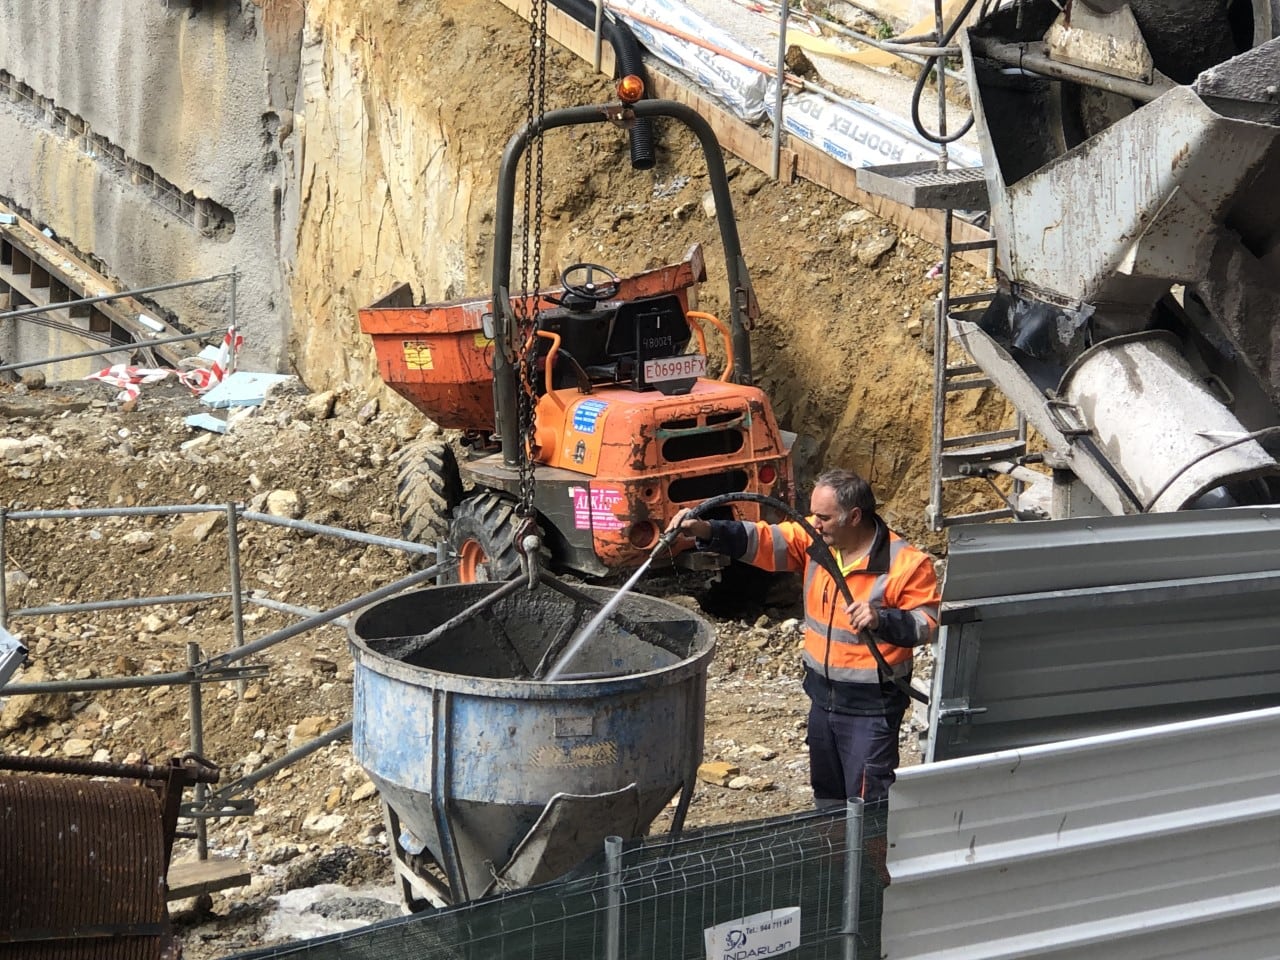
x=482 y=538
x=428 y=487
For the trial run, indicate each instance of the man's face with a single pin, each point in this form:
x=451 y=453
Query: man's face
x=826 y=519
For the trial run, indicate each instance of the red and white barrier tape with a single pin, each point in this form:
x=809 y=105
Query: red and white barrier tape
x=131 y=380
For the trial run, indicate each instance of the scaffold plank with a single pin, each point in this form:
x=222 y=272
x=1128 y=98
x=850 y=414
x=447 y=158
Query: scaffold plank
x=191 y=878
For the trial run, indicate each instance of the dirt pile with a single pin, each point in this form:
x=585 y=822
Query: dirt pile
x=326 y=458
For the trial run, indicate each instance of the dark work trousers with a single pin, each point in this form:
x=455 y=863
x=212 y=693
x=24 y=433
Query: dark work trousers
x=851 y=756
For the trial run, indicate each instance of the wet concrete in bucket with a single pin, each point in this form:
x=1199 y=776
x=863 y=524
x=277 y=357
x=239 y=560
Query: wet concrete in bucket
x=525 y=635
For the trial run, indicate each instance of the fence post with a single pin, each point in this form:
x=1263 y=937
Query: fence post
x=852 y=874
x=237 y=604
x=781 y=82
x=4 y=565
x=613 y=918
x=197 y=747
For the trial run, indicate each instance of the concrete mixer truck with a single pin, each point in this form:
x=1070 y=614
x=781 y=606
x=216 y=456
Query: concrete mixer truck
x=1131 y=158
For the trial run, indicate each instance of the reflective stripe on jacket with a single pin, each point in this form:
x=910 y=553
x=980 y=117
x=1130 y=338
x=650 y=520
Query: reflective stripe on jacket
x=894 y=577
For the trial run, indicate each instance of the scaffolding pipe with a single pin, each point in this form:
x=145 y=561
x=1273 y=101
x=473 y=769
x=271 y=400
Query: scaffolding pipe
x=237 y=599
x=68 y=327
x=270 y=769
x=271 y=639
x=166 y=510
x=90 y=605
x=1033 y=59
x=307 y=526
x=853 y=831
x=170 y=510
x=106 y=297
x=197 y=746
x=599 y=54
x=114 y=348
x=940 y=26
x=94 y=684
x=779 y=82
x=613 y=918
x=281 y=607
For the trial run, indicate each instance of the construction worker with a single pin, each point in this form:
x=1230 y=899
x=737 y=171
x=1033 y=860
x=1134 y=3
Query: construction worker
x=857 y=706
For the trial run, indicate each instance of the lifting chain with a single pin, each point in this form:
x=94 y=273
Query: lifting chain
x=527 y=307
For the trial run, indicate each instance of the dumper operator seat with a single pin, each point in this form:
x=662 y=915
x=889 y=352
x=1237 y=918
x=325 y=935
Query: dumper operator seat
x=608 y=341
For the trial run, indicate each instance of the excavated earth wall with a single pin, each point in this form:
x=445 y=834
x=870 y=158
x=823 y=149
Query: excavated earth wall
x=355 y=145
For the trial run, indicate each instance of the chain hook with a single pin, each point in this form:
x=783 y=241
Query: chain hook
x=529 y=545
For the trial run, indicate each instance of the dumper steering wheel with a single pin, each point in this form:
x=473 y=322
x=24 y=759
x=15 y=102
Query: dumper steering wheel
x=585 y=286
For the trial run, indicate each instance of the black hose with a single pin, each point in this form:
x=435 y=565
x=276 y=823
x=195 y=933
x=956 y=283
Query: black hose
x=821 y=554
x=918 y=92
x=629 y=61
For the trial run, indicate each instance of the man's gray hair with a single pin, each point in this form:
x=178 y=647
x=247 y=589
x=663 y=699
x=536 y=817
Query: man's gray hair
x=852 y=492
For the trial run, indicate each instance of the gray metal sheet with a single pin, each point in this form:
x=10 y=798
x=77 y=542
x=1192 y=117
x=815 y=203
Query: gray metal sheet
x=987 y=560
x=1157 y=842
x=1063 y=629
x=922 y=185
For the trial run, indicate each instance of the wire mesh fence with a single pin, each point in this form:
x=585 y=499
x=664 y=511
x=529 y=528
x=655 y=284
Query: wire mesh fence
x=660 y=899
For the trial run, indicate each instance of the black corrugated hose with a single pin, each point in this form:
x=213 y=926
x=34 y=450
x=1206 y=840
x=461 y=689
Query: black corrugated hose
x=629 y=61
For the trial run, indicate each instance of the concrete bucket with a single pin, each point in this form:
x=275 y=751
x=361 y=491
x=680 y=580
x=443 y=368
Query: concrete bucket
x=493 y=779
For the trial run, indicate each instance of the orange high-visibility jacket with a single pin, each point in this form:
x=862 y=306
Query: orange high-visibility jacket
x=894 y=577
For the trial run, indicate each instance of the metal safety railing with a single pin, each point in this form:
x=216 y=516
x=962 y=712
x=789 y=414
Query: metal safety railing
x=228 y=800
x=36 y=313
x=803 y=885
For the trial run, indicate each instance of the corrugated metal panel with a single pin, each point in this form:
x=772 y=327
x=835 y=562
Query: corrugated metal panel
x=1098 y=551
x=1071 y=628
x=1155 y=843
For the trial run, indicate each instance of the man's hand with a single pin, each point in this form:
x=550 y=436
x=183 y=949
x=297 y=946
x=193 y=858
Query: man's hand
x=862 y=616
x=685 y=526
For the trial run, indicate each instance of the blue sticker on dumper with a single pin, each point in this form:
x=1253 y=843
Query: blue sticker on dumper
x=586 y=413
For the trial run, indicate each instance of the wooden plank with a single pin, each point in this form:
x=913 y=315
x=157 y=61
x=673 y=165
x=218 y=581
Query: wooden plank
x=744 y=141
x=191 y=878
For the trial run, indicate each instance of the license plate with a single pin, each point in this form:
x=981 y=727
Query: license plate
x=684 y=367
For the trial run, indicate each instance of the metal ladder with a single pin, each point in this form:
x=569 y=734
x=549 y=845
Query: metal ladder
x=922 y=185
x=954 y=455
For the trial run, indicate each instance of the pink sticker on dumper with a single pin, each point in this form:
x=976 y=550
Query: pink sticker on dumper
x=593 y=509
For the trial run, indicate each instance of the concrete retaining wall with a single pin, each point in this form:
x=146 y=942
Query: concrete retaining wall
x=156 y=136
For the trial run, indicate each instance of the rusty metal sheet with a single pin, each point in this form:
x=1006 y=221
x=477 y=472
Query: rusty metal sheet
x=82 y=870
